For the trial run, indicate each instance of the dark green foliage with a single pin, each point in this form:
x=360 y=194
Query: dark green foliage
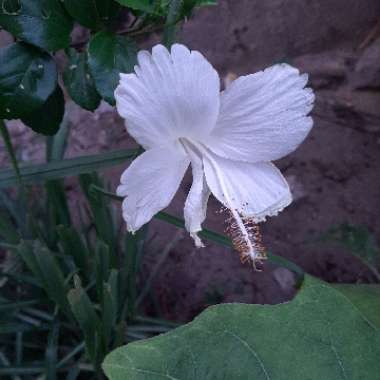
x=47 y=118
x=43 y=23
x=108 y=56
x=93 y=14
x=27 y=78
x=79 y=82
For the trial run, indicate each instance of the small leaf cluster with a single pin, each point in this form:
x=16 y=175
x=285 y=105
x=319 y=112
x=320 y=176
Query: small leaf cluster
x=30 y=88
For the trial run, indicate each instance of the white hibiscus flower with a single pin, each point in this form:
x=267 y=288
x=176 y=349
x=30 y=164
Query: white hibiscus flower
x=173 y=107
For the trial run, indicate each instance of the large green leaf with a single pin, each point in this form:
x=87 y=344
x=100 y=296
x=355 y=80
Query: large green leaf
x=110 y=55
x=43 y=23
x=47 y=118
x=92 y=14
x=69 y=167
x=366 y=297
x=318 y=335
x=359 y=241
x=79 y=82
x=27 y=78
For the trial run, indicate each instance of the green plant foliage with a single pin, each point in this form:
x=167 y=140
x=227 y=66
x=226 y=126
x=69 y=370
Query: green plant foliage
x=79 y=82
x=47 y=118
x=43 y=23
x=27 y=78
x=189 y=5
x=366 y=297
x=108 y=56
x=87 y=318
x=93 y=14
x=141 y=5
x=318 y=335
x=358 y=241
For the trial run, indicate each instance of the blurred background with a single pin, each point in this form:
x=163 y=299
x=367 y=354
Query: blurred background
x=331 y=227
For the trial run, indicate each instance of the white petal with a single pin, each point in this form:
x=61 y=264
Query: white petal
x=149 y=184
x=252 y=190
x=263 y=116
x=196 y=201
x=171 y=95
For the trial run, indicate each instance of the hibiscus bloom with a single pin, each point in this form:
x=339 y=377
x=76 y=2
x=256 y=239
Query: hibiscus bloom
x=173 y=107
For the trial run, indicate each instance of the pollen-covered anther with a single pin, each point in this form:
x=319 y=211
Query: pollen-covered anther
x=247 y=240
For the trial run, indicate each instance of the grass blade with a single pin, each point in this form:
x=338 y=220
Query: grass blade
x=101 y=213
x=8 y=145
x=69 y=167
x=51 y=353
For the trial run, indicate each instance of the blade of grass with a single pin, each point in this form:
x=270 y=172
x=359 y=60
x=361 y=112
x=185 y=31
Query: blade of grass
x=134 y=244
x=10 y=306
x=8 y=145
x=79 y=348
x=51 y=353
x=162 y=258
x=19 y=347
x=101 y=214
x=68 y=167
x=72 y=244
x=87 y=318
x=14 y=370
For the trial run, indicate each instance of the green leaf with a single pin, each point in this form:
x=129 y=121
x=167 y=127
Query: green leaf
x=366 y=297
x=108 y=56
x=57 y=203
x=318 y=335
x=141 y=5
x=69 y=167
x=73 y=245
x=359 y=241
x=8 y=231
x=51 y=353
x=27 y=78
x=102 y=266
x=101 y=213
x=85 y=314
x=109 y=312
x=47 y=118
x=189 y=5
x=45 y=268
x=92 y=14
x=10 y=150
x=43 y=23
x=79 y=82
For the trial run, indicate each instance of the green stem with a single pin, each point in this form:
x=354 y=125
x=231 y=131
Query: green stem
x=171 y=22
x=8 y=145
x=211 y=235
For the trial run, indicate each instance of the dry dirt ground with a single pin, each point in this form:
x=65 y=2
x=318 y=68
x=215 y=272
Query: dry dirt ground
x=334 y=175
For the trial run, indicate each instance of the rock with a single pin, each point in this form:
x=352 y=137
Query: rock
x=285 y=278
x=367 y=69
